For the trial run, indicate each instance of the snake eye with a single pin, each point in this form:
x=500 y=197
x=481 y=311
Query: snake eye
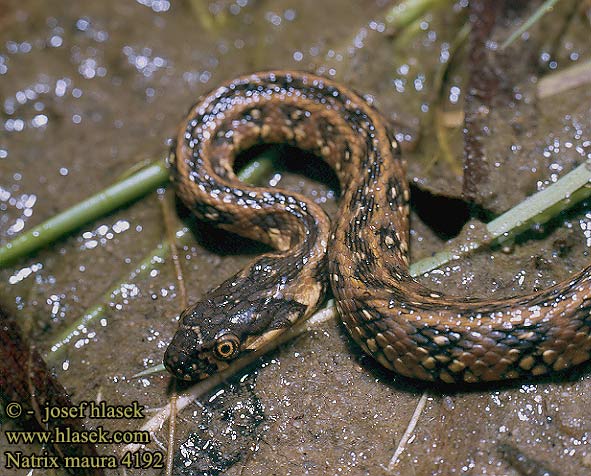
x=227 y=346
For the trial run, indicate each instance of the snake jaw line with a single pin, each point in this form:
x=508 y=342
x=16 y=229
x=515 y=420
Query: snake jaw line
x=253 y=343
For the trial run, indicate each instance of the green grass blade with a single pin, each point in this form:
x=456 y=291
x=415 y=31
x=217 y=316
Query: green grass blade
x=539 y=13
x=111 y=198
x=538 y=208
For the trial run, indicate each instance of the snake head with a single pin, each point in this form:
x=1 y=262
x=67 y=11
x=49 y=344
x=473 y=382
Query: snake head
x=189 y=357
x=204 y=344
x=221 y=328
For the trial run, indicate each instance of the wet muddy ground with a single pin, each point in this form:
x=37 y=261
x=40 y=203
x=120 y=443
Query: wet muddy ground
x=88 y=89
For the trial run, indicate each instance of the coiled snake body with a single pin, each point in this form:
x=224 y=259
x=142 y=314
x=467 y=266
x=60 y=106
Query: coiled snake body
x=402 y=324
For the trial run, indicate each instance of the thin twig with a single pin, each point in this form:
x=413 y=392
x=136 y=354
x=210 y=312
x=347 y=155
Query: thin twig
x=565 y=79
x=171 y=432
x=407 y=433
x=174 y=255
x=169 y=227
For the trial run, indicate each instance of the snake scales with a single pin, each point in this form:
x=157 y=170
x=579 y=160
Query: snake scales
x=402 y=324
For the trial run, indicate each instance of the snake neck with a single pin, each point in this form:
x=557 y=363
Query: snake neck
x=315 y=115
x=318 y=116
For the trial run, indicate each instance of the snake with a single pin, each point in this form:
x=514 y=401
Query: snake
x=362 y=254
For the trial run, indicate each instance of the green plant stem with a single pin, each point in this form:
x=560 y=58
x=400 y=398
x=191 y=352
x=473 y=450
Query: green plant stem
x=253 y=173
x=121 y=193
x=538 y=208
x=111 y=198
x=78 y=328
x=539 y=13
x=405 y=13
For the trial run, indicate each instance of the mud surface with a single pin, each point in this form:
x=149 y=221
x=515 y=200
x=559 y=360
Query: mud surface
x=88 y=89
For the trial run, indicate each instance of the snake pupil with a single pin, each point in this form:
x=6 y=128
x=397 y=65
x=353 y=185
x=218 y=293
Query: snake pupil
x=226 y=349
